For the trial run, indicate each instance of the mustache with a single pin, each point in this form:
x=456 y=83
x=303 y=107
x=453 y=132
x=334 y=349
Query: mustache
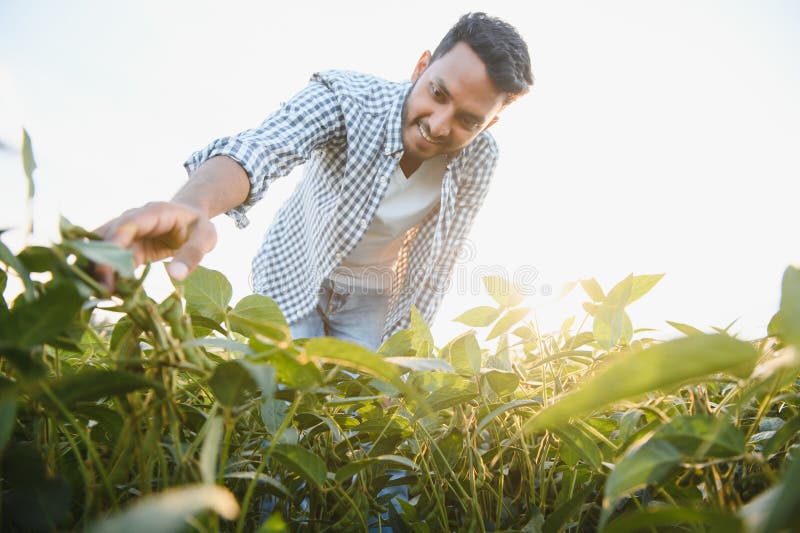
x=426 y=133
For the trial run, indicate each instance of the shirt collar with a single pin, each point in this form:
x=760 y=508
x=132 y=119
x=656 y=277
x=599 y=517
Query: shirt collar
x=394 y=124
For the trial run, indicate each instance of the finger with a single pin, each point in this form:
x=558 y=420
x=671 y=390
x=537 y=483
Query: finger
x=154 y=219
x=201 y=240
x=105 y=275
x=102 y=230
x=124 y=234
x=107 y=229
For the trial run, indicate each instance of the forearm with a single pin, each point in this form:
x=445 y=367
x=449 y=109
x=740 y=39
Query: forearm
x=216 y=186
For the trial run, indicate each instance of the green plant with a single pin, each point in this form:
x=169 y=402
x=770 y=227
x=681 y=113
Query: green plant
x=118 y=412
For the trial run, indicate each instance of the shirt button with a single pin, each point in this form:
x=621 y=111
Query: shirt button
x=363 y=222
x=383 y=179
x=339 y=256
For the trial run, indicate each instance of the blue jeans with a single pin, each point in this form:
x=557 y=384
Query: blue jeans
x=358 y=316
x=350 y=314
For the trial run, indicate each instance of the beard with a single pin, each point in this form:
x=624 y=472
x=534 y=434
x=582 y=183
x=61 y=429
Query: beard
x=406 y=125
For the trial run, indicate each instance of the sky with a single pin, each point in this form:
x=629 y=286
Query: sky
x=659 y=137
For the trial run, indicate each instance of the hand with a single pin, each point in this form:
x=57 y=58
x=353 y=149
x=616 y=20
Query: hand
x=157 y=231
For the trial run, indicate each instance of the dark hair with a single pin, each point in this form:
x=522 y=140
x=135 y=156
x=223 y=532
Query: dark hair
x=499 y=46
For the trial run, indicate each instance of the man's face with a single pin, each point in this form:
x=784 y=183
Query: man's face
x=452 y=101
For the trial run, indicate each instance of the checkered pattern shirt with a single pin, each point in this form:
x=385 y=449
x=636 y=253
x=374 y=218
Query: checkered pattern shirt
x=346 y=128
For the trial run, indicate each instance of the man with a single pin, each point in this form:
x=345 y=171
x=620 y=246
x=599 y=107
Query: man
x=395 y=174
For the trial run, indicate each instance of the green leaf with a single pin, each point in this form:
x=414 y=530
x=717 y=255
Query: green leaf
x=213 y=342
x=686 y=329
x=272 y=484
x=7 y=257
x=790 y=306
x=8 y=411
x=421 y=337
x=502 y=383
x=263 y=375
x=398 y=459
x=776 y=508
x=32 y=500
x=478 y=317
x=612 y=326
x=651 y=463
x=558 y=518
x=787 y=431
x=167 y=511
x=775 y=325
x=273 y=524
x=259 y=308
x=507 y=321
x=583 y=445
x=210 y=451
x=103 y=252
x=273 y=413
x=659 y=367
x=502 y=291
x=352 y=468
x=232 y=384
x=464 y=354
x=70 y=231
x=620 y=294
x=207 y=293
x=593 y=289
x=536 y=523
x=23 y=361
x=107 y=422
x=386 y=426
x=93 y=384
x=354 y=356
x=642 y=285
x=455 y=392
x=302 y=462
x=292 y=372
x=38 y=259
x=421 y=364
x=699 y=436
x=486 y=420
x=590 y=308
x=202 y=326
x=526 y=333
x=28 y=161
x=670 y=518
x=581 y=339
x=262 y=334
x=398 y=345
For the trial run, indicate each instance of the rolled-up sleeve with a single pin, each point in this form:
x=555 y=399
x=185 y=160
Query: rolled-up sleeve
x=285 y=139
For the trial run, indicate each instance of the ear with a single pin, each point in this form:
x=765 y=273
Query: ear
x=422 y=63
x=492 y=122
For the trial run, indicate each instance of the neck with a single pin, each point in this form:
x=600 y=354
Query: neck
x=409 y=164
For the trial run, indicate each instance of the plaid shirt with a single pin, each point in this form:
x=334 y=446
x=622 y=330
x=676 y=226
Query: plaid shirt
x=346 y=128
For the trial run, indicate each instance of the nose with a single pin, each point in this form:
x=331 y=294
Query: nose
x=439 y=124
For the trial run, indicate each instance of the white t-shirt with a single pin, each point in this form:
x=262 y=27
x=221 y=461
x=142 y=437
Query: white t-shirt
x=370 y=265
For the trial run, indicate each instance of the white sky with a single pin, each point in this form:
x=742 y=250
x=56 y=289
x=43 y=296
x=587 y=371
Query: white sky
x=659 y=137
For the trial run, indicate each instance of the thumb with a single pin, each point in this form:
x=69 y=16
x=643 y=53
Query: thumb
x=202 y=239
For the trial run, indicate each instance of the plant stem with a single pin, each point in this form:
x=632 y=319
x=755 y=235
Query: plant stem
x=86 y=440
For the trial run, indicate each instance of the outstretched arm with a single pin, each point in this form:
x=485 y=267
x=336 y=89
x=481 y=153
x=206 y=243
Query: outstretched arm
x=180 y=228
x=228 y=176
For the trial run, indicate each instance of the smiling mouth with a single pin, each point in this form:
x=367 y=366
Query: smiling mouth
x=425 y=135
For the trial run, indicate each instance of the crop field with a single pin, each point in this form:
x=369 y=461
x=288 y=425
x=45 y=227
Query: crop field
x=199 y=413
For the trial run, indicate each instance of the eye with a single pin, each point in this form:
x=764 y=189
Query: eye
x=436 y=92
x=471 y=124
